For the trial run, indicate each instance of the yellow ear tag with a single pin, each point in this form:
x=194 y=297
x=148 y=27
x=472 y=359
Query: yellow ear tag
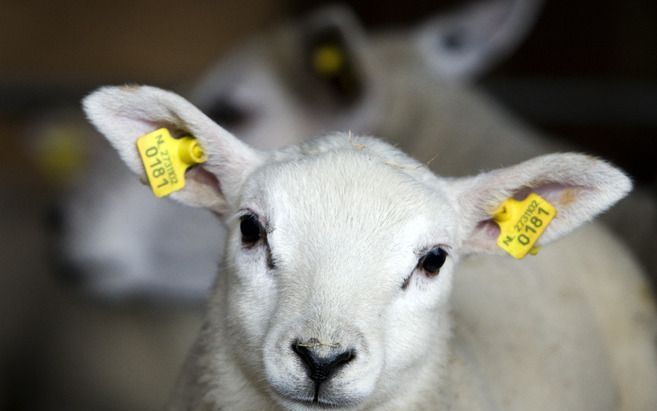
x=522 y=223
x=166 y=159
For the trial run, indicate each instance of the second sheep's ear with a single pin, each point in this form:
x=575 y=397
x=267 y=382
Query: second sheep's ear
x=123 y=114
x=466 y=43
x=335 y=52
x=578 y=186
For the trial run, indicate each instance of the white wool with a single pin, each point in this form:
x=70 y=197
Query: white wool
x=347 y=220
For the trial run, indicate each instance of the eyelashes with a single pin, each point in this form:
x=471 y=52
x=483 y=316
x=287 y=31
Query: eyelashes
x=253 y=233
x=430 y=264
x=432 y=261
x=251 y=229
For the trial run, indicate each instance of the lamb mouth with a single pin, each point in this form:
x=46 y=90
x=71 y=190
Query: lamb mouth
x=316 y=403
x=320 y=404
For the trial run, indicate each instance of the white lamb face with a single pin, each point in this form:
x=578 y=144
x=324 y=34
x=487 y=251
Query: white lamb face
x=340 y=251
x=354 y=286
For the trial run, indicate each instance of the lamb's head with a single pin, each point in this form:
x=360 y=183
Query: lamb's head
x=345 y=270
x=340 y=251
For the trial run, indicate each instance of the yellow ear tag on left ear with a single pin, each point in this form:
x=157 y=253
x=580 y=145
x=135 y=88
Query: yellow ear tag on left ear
x=166 y=159
x=522 y=223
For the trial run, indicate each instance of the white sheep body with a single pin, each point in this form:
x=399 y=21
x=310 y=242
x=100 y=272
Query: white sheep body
x=343 y=220
x=534 y=334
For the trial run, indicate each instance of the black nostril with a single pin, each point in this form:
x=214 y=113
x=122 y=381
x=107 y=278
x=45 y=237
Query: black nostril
x=319 y=368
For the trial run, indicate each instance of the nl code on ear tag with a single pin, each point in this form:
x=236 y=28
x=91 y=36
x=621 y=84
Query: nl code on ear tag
x=522 y=223
x=165 y=159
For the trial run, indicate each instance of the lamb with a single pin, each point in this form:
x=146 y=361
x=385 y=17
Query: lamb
x=341 y=257
x=411 y=92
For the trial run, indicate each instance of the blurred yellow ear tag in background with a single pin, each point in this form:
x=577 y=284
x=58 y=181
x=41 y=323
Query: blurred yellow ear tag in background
x=328 y=60
x=166 y=159
x=522 y=223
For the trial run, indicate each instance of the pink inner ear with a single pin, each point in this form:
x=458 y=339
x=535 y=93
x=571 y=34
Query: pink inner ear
x=557 y=194
x=202 y=176
x=175 y=130
x=486 y=232
x=488 y=228
x=483 y=237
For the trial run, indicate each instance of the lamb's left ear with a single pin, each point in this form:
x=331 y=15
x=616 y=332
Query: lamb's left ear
x=578 y=186
x=123 y=114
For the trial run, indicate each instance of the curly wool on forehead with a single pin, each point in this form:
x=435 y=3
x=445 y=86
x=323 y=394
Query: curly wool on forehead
x=348 y=151
x=331 y=182
x=345 y=203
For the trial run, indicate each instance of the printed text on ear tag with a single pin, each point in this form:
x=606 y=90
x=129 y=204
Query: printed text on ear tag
x=166 y=159
x=522 y=223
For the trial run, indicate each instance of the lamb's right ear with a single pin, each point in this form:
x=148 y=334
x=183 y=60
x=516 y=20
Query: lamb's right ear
x=123 y=114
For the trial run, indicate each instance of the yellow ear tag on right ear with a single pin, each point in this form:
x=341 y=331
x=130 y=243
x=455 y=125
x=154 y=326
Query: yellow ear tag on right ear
x=522 y=223
x=166 y=159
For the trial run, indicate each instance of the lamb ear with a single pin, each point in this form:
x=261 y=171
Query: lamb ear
x=578 y=186
x=464 y=44
x=123 y=114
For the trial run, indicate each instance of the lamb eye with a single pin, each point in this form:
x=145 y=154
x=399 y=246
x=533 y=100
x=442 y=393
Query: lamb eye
x=433 y=260
x=251 y=229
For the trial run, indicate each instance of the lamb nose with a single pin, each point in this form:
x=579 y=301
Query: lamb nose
x=320 y=368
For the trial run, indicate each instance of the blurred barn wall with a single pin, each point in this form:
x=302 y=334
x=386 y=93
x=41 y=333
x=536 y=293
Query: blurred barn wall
x=67 y=42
